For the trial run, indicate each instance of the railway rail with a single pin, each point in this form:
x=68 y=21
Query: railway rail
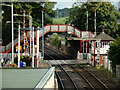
x=65 y=80
x=80 y=77
x=63 y=77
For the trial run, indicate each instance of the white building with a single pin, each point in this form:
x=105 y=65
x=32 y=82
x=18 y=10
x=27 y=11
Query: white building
x=105 y=42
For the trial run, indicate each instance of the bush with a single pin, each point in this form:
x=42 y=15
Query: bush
x=26 y=59
x=13 y=65
x=114 y=54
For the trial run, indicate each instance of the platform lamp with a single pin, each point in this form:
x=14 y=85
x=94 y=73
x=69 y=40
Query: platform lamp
x=12 y=28
x=19 y=45
x=18 y=41
x=43 y=34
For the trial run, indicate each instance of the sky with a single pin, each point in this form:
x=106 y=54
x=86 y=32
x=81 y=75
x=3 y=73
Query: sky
x=62 y=5
x=68 y=3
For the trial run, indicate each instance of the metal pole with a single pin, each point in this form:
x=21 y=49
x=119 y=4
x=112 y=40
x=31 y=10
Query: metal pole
x=37 y=46
x=19 y=46
x=33 y=50
x=30 y=30
x=24 y=27
x=83 y=47
x=12 y=34
x=95 y=22
x=87 y=22
x=43 y=34
x=86 y=46
x=94 y=53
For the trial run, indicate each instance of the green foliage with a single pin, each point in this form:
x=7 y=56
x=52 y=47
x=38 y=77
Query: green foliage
x=61 y=13
x=13 y=65
x=107 y=17
x=35 y=8
x=56 y=41
x=26 y=59
x=114 y=53
x=106 y=72
x=61 y=20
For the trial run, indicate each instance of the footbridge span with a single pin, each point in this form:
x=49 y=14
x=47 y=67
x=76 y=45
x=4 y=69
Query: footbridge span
x=49 y=28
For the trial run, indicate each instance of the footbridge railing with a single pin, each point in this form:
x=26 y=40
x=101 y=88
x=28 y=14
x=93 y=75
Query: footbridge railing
x=49 y=28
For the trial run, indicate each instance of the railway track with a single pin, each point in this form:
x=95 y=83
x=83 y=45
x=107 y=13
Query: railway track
x=58 y=53
x=93 y=81
x=64 y=79
x=80 y=77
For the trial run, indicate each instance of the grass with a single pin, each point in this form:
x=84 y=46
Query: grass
x=60 y=20
x=107 y=72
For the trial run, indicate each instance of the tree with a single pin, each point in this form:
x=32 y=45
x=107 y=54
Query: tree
x=35 y=8
x=114 y=53
x=56 y=41
x=107 y=17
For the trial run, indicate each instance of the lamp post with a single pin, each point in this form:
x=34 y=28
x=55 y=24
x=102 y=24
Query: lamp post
x=37 y=45
x=12 y=34
x=33 y=48
x=12 y=28
x=19 y=46
x=18 y=41
x=43 y=35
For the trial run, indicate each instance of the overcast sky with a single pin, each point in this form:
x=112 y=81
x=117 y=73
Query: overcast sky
x=68 y=3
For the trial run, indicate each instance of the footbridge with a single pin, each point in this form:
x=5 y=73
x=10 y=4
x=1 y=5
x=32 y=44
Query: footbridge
x=49 y=28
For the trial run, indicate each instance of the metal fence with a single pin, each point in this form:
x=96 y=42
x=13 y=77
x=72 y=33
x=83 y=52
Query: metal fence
x=9 y=55
x=82 y=56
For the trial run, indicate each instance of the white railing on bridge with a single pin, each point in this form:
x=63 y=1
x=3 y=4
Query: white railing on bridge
x=9 y=55
x=62 y=28
x=2 y=48
x=52 y=28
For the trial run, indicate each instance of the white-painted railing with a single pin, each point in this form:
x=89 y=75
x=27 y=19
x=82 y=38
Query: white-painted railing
x=9 y=55
x=52 y=28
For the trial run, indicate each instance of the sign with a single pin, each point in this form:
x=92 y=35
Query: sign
x=17 y=47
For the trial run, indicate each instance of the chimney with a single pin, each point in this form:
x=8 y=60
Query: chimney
x=103 y=30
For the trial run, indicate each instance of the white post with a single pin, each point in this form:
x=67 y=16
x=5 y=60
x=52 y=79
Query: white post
x=86 y=46
x=87 y=22
x=33 y=49
x=19 y=46
x=37 y=46
x=83 y=46
x=24 y=31
x=95 y=22
x=30 y=41
x=42 y=35
x=30 y=32
x=12 y=34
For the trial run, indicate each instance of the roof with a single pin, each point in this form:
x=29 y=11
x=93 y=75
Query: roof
x=104 y=36
x=22 y=78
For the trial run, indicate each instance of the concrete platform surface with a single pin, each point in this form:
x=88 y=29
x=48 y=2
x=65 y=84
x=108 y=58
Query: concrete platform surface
x=22 y=78
x=56 y=62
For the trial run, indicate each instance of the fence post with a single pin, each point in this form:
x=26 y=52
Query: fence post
x=118 y=72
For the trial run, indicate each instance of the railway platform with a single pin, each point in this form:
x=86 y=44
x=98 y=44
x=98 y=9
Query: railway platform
x=27 y=79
